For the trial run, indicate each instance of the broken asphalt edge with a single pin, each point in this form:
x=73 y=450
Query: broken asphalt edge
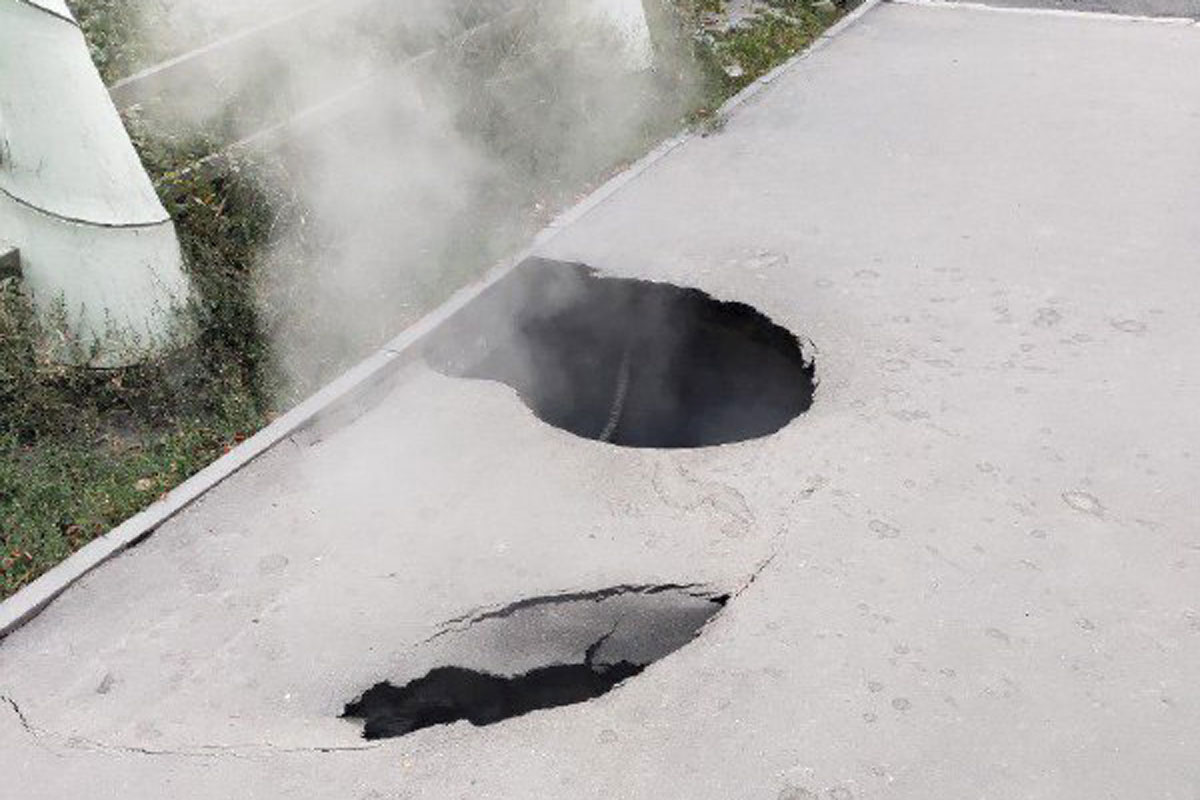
x=357 y=382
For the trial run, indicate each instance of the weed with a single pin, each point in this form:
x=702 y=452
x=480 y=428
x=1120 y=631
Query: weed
x=117 y=35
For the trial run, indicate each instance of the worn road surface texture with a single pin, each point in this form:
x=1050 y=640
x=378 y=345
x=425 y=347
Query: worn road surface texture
x=975 y=560
x=1182 y=9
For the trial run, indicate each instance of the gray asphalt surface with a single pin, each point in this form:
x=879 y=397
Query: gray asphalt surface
x=1189 y=9
x=970 y=570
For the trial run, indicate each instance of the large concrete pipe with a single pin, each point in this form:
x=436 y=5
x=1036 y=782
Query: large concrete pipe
x=628 y=17
x=94 y=240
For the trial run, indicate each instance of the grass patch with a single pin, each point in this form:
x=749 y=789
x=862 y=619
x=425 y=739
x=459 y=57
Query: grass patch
x=117 y=35
x=83 y=450
x=782 y=29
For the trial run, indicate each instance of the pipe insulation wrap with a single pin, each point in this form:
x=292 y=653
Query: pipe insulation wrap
x=74 y=196
x=628 y=17
x=67 y=151
x=56 y=7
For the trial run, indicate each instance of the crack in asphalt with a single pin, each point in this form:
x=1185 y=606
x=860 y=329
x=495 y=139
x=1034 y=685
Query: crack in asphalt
x=486 y=613
x=20 y=715
x=450 y=693
x=244 y=751
x=54 y=742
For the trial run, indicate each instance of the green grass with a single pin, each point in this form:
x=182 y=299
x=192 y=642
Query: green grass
x=116 y=34
x=769 y=41
x=83 y=450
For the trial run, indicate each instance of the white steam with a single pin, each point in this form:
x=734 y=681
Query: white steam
x=424 y=139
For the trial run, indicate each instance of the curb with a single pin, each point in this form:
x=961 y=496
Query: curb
x=28 y=602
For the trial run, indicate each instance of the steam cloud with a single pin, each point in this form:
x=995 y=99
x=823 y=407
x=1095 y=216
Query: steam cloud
x=427 y=139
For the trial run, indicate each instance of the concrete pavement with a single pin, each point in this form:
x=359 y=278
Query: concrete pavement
x=970 y=570
x=1181 y=9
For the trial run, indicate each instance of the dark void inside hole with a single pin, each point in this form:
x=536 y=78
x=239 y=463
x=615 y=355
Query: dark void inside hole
x=630 y=362
x=636 y=637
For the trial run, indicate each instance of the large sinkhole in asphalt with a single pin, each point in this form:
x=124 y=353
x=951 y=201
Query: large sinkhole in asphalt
x=537 y=653
x=630 y=362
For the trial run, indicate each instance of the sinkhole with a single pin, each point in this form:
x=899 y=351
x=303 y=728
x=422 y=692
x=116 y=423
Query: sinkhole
x=537 y=653
x=629 y=362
